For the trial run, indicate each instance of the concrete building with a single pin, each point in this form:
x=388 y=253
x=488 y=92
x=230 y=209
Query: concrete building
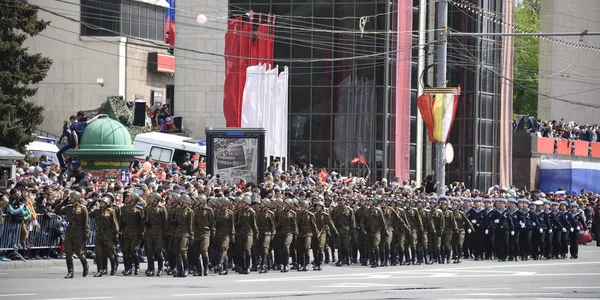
x=92 y=64
x=569 y=76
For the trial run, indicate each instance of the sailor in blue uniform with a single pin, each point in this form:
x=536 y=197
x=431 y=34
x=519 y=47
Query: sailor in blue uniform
x=502 y=221
x=518 y=220
x=478 y=217
x=531 y=225
x=575 y=217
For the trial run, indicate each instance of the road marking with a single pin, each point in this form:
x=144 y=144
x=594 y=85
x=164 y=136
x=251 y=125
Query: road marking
x=80 y=298
x=508 y=294
x=17 y=295
x=452 y=290
x=251 y=293
x=366 y=285
x=444 y=275
x=569 y=287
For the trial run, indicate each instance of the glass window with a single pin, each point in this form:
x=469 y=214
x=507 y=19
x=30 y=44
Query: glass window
x=100 y=17
x=299 y=127
x=299 y=98
x=321 y=127
x=321 y=99
x=320 y=154
x=299 y=152
x=161 y=154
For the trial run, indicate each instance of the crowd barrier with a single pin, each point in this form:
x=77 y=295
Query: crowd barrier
x=568 y=147
x=47 y=233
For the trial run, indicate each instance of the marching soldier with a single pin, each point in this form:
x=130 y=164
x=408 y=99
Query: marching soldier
x=518 y=220
x=538 y=237
x=462 y=223
x=568 y=229
x=387 y=235
x=450 y=227
x=265 y=220
x=401 y=231
x=306 y=229
x=435 y=237
x=247 y=232
x=224 y=232
x=577 y=221
x=416 y=229
x=155 y=220
x=204 y=232
x=168 y=239
x=502 y=220
x=531 y=225
x=361 y=235
x=131 y=225
x=77 y=232
x=343 y=219
x=183 y=224
x=287 y=229
x=427 y=229
x=324 y=224
x=478 y=219
x=557 y=230
x=375 y=224
x=107 y=229
x=490 y=231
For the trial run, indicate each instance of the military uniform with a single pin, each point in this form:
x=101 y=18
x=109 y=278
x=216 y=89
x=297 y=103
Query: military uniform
x=462 y=223
x=204 y=232
x=76 y=235
x=343 y=218
x=387 y=235
x=416 y=228
x=361 y=234
x=183 y=233
x=399 y=252
x=435 y=236
x=224 y=231
x=246 y=231
x=478 y=219
x=375 y=223
x=265 y=220
x=287 y=228
x=107 y=229
x=155 y=221
x=502 y=220
x=131 y=225
x=428 y=228
x=450 y=227
x=306 y=229
x=324 y=224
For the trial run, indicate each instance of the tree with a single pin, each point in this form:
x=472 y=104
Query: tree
x=19 y=70
x=527 y=49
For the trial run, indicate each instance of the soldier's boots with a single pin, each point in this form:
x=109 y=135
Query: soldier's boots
x=205 y=264
x=343 y=258
x=136 y=270
x=105 y=265
x=114 y=266
x=186 y=268
x=99 y=267
x=326 y=255
x=69 y=269
x=332 y=254
x=86 y=267
x=127 y=272
x=224 y=271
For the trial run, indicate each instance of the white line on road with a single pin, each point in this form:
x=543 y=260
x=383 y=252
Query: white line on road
x=569 y=287
x=452 y=290
x=366 y=285
x=508 y=294
x=17 y=295
x=251 y=293
x=81 y=298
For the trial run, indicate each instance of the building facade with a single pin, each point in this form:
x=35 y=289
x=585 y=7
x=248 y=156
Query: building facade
x=568 y=68
x=97 y=51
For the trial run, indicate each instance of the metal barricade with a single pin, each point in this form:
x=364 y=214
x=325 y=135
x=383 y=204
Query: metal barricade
x=11 y=238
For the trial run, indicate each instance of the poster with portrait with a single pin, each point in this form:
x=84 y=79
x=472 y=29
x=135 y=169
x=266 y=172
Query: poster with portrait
x=235 y=158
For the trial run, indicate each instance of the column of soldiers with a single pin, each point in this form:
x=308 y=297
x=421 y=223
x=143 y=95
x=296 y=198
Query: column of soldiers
x=193 y=234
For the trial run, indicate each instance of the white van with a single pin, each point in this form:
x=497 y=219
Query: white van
x=43 y=146
x=168 y=148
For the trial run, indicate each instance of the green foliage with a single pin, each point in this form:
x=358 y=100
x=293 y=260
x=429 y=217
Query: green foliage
x=116 y=108
x=527 y=49
x=19 y=70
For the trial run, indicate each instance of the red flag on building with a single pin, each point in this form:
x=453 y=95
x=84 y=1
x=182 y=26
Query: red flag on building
x=359 y=160
x=323 y=175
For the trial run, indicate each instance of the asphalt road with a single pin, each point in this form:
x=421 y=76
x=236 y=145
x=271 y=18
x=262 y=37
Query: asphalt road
x=548 y=279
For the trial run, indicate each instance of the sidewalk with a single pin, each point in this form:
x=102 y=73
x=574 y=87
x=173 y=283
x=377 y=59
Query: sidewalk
x=40 y=263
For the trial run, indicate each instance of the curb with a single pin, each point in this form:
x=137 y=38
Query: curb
x=32 y=264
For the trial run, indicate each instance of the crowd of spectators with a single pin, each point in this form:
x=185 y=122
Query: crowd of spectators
x=565 y=130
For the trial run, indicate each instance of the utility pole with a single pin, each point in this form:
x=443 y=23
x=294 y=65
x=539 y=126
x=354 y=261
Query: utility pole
x=420 y=70
x=441 y=54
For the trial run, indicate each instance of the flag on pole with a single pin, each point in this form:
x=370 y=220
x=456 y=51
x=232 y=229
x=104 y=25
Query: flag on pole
x=358 y=160
x=438 y=112
x=323 y=175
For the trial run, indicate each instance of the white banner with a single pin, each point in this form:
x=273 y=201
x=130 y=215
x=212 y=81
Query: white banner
x=251 y=106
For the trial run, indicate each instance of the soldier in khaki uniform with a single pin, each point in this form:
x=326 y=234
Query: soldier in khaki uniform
x=117 y=209
x=287 y=229
x=155 y=220
x=387 y=235
x=247 y=232
x=374 y=223
x=265 y=220
x=204 y=232
x=343 y=219
x=107 y=229
x=77 y=232
x=360 y=216
x=449 y=228
x=306 y=229
x=224 y=232
x=168 y=239
x=435 y=236
x=131 y=225
x=423 y=253
x=401 y=230
x=183 y=224
x=324 y=224
x=462 y=222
